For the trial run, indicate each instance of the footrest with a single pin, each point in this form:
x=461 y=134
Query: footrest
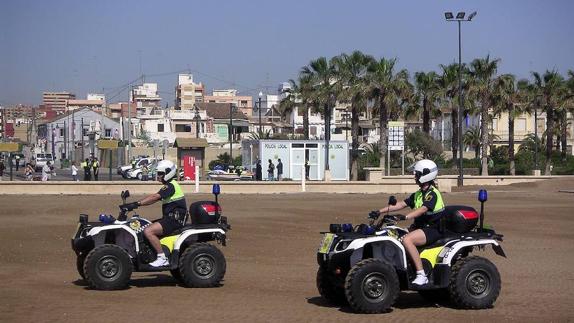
x=428 y=286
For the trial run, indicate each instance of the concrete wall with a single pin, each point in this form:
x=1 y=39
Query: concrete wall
x=399 y=184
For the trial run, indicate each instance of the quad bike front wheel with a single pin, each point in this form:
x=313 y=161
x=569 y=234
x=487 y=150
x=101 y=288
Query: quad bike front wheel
x=474 y=283
x=108 y=267
x=372 y=286
x=202 y=265
x=176 y=274
x=334 y=294
x=80 y=264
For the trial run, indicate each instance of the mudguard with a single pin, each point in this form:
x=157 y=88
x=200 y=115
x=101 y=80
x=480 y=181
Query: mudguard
x=451 y=250
x=94 y=232
x=188 y=233
x=359 y=244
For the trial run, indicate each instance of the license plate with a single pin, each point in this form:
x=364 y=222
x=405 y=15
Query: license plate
x=76 y=231
x=326 y=243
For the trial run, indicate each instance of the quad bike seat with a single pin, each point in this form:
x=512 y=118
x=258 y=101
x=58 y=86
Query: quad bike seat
x=196 y=227
x=473 y=235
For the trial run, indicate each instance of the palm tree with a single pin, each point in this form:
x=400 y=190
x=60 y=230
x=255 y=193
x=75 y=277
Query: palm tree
x=506 y=101
x=481 y=87
x=427 y=89
x=448 y=83
x=299 y=96
x=325 y=88
x=566 y=107
x=472 y=138
x=549 y=87
x=387 y=88
x=352 y=70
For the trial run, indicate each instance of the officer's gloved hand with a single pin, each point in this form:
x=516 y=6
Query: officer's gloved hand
x=130 y=206
x=374 y=214
x=401 y=217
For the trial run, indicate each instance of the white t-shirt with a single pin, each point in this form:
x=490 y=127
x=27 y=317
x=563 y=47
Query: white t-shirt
x=46 y=172
x=74 y=170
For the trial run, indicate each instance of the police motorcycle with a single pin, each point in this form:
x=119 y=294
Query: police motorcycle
x=108 y=251
x=366 y=266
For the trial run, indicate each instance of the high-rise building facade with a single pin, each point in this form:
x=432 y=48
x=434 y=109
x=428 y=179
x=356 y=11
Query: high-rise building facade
x=57 y=100
x=187 y=93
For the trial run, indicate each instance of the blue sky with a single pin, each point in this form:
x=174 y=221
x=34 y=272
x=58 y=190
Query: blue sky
x=95 y=46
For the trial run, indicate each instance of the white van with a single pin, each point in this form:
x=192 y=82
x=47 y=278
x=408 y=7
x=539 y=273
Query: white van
x=41 y=160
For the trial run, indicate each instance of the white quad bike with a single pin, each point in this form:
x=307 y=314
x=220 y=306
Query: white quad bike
x=109 y=250
x=366 y=266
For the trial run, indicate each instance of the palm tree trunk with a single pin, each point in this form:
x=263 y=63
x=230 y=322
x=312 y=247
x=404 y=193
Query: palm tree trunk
x=383 y=128
x=549 y=127
x=306 y=123
x=454 y=139
x=563 y=137
x=484 y=136
x=355 y=142
x=511 y=140
x=426 y=117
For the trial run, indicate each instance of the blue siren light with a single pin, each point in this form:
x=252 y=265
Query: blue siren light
x=482 y=196
x=347 y=227
x=368 y=230
x=216 y=189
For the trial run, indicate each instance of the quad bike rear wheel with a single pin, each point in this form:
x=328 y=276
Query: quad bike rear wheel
x=372 y=286
x=108 y=267
x=474 y=283
x=334 y=294
x=202 y=265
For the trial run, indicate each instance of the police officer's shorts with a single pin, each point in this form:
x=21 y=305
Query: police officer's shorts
x=169 y=224
x=432 y=234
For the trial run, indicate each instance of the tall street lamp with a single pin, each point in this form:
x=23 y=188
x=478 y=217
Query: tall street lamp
x=231 y=110
x=197 y=119
x=459 y=18
x=259 y=105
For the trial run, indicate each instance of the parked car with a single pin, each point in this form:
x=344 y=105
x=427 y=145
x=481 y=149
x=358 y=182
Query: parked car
x=137 y=172
x=41 y=160
x=124 y=170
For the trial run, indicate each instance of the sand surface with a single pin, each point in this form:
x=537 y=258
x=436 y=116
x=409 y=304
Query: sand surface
x=271 y=261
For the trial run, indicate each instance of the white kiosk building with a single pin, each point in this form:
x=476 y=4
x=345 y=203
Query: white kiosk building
x=293 y=154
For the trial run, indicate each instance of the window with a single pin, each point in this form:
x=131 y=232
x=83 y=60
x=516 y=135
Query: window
x=494 y=124
x=313 y=131
x=108 y=133
x=520 y=124
x=61 y=132
x=160 y=127
x=182 y=128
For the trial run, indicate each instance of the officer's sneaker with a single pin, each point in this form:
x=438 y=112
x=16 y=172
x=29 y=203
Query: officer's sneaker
x=420 y=280
x=159 y=262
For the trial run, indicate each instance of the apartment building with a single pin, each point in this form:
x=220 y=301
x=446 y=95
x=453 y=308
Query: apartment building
x=57 y=100
x=145 y=97
x=187 y=92
x=243 y=102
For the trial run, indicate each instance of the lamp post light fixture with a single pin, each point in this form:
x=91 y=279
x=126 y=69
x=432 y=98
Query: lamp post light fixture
x=460 y=17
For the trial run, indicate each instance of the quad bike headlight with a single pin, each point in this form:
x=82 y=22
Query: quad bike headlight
x=343 y=244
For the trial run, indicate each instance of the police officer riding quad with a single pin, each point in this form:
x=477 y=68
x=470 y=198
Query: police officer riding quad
x=367 y=266
x=109 y=250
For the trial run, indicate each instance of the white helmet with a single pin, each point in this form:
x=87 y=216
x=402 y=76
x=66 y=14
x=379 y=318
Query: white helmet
x=425 y=171
x=168 y=168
